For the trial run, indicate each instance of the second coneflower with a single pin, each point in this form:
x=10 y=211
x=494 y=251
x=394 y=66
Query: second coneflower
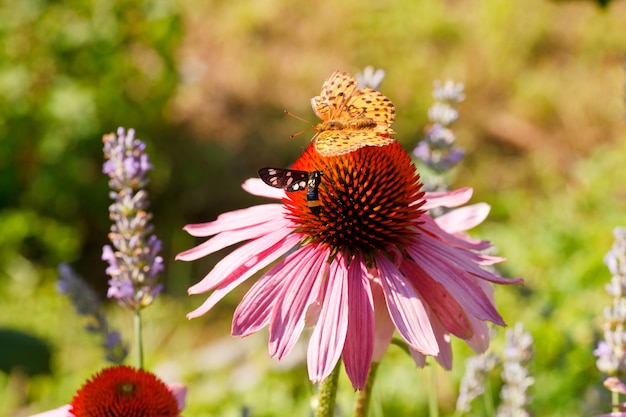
x=371 y=262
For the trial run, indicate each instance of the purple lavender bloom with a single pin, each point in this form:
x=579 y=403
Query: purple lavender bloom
x=473 y=382
x=370 y=78
x=87 y=304
x=437 y=150
x=611 y=352
x=517 y=355
x=133 y=256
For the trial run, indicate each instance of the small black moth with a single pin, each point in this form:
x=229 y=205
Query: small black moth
x=292 y=180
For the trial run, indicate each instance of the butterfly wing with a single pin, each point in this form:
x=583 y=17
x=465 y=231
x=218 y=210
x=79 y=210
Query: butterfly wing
x=371 y=104
x=288 y=179
x=336 y=92
x=339 y=142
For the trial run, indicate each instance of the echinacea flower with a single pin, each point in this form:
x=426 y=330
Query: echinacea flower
x=124 y=391
x=370 y=262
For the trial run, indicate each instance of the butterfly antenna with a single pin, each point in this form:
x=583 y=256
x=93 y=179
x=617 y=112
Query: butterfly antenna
x=295 y=116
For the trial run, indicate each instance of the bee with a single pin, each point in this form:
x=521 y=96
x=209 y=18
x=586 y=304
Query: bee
x=292 y=180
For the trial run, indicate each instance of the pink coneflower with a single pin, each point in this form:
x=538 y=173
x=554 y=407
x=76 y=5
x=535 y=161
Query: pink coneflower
x=370 y=262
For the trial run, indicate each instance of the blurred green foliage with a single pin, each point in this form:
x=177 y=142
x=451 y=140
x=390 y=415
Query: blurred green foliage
x=69 y=72
x=204 y=83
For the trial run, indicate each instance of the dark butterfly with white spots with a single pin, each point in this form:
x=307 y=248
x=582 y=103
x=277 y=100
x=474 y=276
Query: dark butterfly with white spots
x=292 y=180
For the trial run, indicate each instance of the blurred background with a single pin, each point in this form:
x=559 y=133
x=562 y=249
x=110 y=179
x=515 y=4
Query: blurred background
x=205 y=83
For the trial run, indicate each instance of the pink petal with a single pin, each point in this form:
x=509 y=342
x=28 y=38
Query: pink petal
x=406 y=309
x=480 y=341
x=180 y=393
x=239 y=275
x=253 y=312
x=359 y=346
x=418 y=357
x=57 y=412
x=247 y=259
x=255 y=186
x=460 y=240
x=304 y=275
x=613 y=384
x=447 y=199
x=444 y=358
x=237 y=219
x=443 y=305
x=456 y=281
x=230 y=237
x=462 y=258
x=329 y=335
x=464 y=218
x=383 y=324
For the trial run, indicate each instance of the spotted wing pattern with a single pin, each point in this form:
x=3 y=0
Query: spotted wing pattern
x=293 y=180
x=288 y=179
x=335 y=142
x=351 y=117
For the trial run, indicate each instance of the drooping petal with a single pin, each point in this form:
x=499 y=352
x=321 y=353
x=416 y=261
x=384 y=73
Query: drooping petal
x=406 y=308
x=328 y=338
x=447 y=199
x=464 y=218
x=443 y=305
x=234 y=220
x=444 y=358
x=255 y=186
x=230 y=237
x=456 y=281
x=243 y=272
x=383 y=325
x=463 y=258
x=480 y=341
x=418 y=357
x=459 y=239
x=253 y=312
x=251 y=256
x=304 y=280
x=359 y=347
x=179 y=391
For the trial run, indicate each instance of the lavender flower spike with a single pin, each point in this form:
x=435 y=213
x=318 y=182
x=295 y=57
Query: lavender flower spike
x=87 y=304
x=611 y=351
x=517 y=354
x=473 y=382
x=438 y=150
x=133 y=257
x=370 y=78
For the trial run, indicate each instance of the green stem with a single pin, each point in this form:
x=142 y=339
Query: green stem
x=138 y=339
x=433 y=406
x=328 y=393
x=614 y=401
x=364 y=396
x=488 y=398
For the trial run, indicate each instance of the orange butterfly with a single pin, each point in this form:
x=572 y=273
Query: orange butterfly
x=351 y=118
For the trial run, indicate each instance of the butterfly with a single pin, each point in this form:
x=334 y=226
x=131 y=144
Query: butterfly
x=351 y=117
x=293 y=180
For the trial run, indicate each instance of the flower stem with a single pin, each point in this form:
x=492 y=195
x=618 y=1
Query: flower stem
x=433 y=406
x=364 y=396
x=488 y=399
x=328 y=393
x=138 y=339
